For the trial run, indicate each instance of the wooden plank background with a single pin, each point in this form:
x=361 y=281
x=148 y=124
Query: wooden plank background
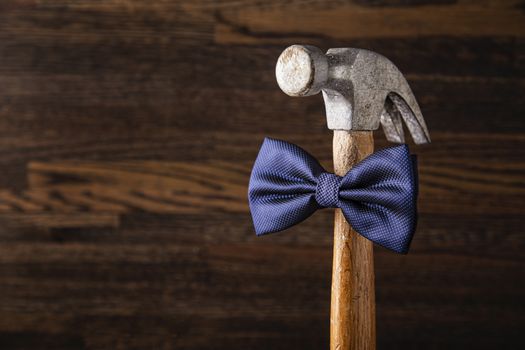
x=127 y=132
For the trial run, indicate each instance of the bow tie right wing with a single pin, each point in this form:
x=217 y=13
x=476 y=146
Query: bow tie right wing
x=379 y=198
x=282 y=186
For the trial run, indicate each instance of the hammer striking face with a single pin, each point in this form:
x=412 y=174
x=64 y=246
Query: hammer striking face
x=361 y=90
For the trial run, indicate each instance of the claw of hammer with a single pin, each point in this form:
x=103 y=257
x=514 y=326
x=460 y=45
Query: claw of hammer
x=361 y=89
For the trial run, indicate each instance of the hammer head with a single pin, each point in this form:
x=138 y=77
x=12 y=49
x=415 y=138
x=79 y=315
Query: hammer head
x=361 y=89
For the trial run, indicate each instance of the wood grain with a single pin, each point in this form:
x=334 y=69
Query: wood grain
x=352 y=309
x=245 y=24
x=127 y=133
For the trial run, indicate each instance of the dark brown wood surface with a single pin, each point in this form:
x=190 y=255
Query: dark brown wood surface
x=127 y=132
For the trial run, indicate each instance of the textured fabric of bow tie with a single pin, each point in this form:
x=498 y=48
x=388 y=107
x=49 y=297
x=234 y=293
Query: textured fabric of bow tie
x=377 y=197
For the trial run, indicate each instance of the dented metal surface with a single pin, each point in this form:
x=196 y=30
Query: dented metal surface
x=361 y=89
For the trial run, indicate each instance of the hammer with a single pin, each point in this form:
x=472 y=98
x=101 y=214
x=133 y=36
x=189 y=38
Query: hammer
x=361 y=90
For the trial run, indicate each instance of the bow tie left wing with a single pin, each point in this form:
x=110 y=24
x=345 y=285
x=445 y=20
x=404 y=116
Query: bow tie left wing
x=282 y=186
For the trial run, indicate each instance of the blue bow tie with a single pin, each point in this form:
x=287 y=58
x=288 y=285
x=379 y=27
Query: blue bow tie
x=378 y=196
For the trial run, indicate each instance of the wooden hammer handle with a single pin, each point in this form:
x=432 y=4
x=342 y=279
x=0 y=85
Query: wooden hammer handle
x=352 y=314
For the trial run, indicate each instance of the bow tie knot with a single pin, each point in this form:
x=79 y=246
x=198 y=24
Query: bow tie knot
x=377 y=196
x=327 y=190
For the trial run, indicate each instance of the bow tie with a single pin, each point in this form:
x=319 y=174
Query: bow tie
x=377 y=197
